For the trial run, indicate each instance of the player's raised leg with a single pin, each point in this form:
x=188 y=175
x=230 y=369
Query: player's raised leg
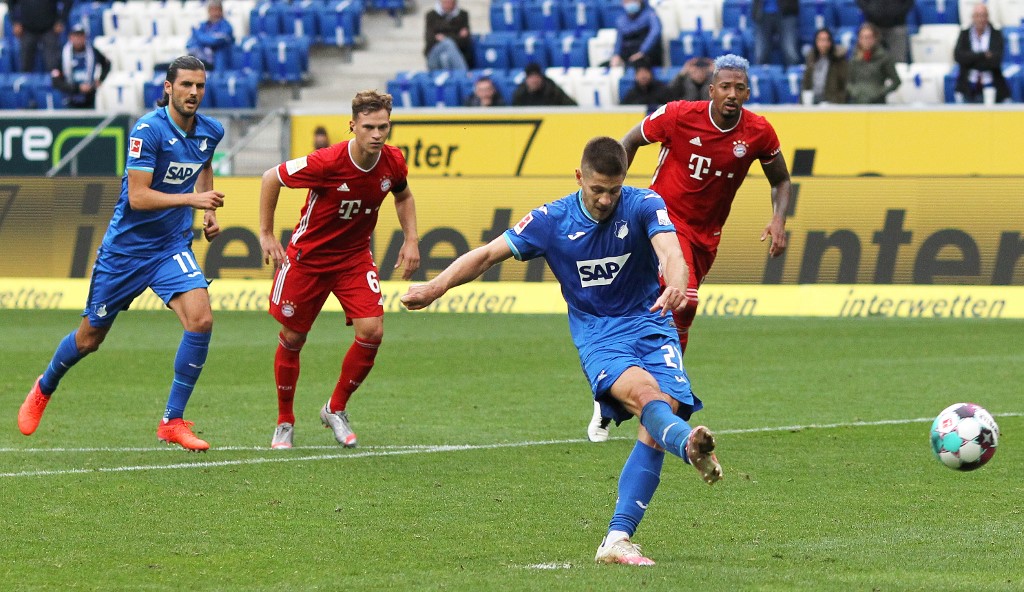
x=193 y=309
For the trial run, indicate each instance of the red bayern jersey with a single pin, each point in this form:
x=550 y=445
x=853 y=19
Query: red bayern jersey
x=701 y=166
x=342 y=205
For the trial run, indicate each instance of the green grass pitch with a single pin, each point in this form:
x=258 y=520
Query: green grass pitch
x=473 y=472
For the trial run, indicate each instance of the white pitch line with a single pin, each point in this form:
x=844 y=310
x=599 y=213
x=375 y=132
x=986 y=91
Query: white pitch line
x=418 y=449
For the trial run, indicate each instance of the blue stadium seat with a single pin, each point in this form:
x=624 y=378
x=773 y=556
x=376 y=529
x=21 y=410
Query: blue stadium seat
x=48 y=98
x=440 y=89
x=847 y=38
x=286 y=59
x=814 y=15
x=626 y=82
x=568 y=50
x=736 y=14
x=493 y=50
x=938 y=12
x=788 y=86
x=609 y=12
x=89 y=14
x=731 y=41
x=689 y=44
x=507 y=16
x=1013 y=41
x=340 y=23
x=848 y=14
x=8 y=53
x=1014 y=74
x=153 y=90
x=301 y=19
x=530 y=48
x=508 y=86
x=391 y=6
x=949 y=84
x=763 y=83
x=498 y=77
x=580 y=15
x=247 y=54
x=404 y=90
x=265 y=19
x=543 y=15
x=16 y=91
x=232 y=89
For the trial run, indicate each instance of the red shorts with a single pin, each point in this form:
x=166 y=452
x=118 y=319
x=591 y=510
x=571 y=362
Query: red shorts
x=698 y=260
x=298 y=294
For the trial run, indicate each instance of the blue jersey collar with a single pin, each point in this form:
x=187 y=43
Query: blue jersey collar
x=167 y=114
x=585 y=212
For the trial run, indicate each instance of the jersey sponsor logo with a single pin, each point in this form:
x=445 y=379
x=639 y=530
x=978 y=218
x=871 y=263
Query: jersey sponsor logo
x=663 y=218
x=518 y=228
x=600 y=272
x=385 y=184
x=739 y=148
x=575 y=235
x=621 y=229
x=699 y=166
x=295 y=165
x=696 y=141
x=135 y=147
x=343 y=187
x=202 y=145
x=180 y=172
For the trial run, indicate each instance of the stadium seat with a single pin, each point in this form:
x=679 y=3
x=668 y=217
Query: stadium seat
x=493 y=50
x=1008 y=13
x=1014 y=75
x=299 y=19
x=698 y=15
x=3 y=22
x=121 y=92
x=689 y=44
x=48 y=98
x=339 y=24
x=848 y=14
x=247 y=54
x=265 y=20
x=609 y=12
x=152 y=90
x=135 y=55
x=109 y=46
x=763 y=84
x=731 y=41
x=404 y=90
x=736 y=14
x=938 y=12
x=89 y=14
x=788 y=85
x=568 y=50
x=530 y=48
x=846 y=37
x=232 y=90
x=285 y=59
x=1013 y=45
x=814 y=15
x=934 y=44
x=543 y=15
x=601 y=46
x=920 y=84
x=237 y=13
x=666 y=11
x=167 y=48
x=8 y=65
x=16 y=90
x=122 y=19
x=440 y=89
x=500 y=78
x=580 y=15
x=507 y=16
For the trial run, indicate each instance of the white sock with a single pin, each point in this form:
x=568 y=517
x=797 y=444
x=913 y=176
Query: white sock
x=615 y=536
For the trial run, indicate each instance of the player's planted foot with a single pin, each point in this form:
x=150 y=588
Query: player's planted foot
x=700 y=450
x=178 y=431
x=31 y=412
x=338 y=422
x=597 y=431
x=282 y=436
x=623 y=552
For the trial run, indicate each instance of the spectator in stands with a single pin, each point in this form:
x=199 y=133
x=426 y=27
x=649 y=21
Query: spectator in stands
x=890 y=16
x=449 y=45
x=537 y=90
x=77 y=76
x=872 y=72
x=211 y=41
x=639 y=35
x=776 y=24
x=647 y=89
x=691 y=84
x=39 y=23
x=979 y=51
x=485 y=94
x=826 y=70
x=320 y=138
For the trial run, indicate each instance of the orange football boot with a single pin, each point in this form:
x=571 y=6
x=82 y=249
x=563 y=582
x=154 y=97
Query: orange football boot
x=178 y=431
x=31 y=412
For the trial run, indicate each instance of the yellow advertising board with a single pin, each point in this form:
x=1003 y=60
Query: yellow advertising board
x=883 y=141
x=870 y=230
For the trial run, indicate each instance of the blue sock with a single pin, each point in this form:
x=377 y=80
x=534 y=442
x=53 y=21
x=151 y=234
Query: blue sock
x=187 y=366
x=668 y=429
x=64 y=358
x=640 y=477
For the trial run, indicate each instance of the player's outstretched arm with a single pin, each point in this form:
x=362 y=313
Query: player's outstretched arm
x=270 y=191
x=778 y=176
x=143 y=197
x=463 y=270
x=633 y=140
x=673 y=270
x=409 y=254
x=205 y=183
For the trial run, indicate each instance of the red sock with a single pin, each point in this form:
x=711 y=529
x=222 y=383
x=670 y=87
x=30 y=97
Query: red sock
x=356 y=366
x=286 y=374
x=684 y=319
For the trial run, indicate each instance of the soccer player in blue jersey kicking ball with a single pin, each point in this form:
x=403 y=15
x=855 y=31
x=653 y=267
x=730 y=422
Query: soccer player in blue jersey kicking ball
x=605 y=243
x=148 y=244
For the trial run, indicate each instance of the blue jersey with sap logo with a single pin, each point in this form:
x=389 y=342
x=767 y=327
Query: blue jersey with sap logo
x=608 y=270
x=175 y=157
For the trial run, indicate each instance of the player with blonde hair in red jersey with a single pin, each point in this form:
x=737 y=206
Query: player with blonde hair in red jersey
x=707 y=148
x=329 y=253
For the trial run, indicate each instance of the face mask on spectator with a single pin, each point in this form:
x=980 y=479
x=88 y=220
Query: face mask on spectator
x=632 y=7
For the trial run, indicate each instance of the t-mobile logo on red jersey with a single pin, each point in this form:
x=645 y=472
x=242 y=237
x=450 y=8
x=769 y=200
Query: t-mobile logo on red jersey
x=699 y=165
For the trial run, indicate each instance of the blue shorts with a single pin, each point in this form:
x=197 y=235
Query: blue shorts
x=118 y=279
x=659 y=355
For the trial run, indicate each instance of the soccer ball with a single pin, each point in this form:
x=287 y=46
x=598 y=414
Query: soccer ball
x=964 y=436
